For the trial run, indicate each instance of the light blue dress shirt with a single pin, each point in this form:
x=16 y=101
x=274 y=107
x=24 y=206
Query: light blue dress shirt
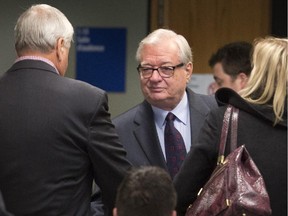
x=181 y=123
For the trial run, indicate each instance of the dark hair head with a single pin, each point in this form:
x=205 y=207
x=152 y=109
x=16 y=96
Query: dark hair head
x=235 y=58
x=146 y=191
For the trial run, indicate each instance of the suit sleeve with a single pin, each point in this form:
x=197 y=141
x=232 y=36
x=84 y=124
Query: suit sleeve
x=107 y=154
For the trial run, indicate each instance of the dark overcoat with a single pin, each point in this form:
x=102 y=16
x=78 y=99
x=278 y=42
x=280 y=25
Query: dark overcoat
x=266 y=143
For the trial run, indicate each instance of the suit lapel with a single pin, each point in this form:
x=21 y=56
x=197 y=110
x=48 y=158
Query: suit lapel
x=146 y=135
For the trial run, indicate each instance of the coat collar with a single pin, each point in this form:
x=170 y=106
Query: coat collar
x=33 y=64
x=228 y=96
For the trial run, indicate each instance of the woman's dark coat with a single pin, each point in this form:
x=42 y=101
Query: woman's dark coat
x=267 y=145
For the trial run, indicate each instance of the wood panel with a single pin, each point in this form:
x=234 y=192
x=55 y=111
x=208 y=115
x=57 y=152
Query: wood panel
x=209 y=24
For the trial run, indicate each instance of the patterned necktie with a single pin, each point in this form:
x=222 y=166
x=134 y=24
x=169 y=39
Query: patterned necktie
x=174 y=146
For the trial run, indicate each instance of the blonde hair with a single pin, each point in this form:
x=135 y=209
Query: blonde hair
x=268 y=80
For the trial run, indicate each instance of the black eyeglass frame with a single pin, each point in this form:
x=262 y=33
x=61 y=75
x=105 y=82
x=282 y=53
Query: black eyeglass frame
x=157 y=69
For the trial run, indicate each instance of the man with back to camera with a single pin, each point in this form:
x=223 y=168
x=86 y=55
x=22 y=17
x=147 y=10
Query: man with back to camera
x=231 y=65
x=56 y=133
x=165 y=68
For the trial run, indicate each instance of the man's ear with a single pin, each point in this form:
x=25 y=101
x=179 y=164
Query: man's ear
x=189 y=71
x=59 y=49
x=115 y=212
x=243 y=78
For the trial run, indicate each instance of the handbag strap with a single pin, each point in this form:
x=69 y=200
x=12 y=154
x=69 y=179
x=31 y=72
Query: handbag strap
x=225 y=128
x=234 y=128
x=224 y=133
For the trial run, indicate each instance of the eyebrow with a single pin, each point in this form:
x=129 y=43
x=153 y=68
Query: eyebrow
x=150 y=65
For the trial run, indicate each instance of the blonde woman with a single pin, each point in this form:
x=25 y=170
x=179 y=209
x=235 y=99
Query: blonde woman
x=262 y=128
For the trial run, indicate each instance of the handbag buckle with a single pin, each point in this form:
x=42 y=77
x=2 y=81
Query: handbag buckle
x=228 y=202
x=220 y=159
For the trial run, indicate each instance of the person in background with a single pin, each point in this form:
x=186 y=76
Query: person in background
x=262 y=127
x=56 y=133
x=146 y=191
x=231 y=65
x=165 y=67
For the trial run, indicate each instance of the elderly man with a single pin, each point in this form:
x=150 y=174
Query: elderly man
x=56 y=133
x=165 y=68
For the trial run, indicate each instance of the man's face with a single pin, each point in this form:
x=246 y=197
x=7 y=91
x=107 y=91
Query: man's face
x=224 y=80
x=164 y=93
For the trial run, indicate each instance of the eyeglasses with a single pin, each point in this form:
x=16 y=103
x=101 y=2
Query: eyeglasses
x=163 y=71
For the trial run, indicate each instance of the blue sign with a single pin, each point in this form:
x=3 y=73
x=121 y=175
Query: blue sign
x=101 y=57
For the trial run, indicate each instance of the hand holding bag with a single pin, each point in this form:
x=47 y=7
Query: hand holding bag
x=236 y=187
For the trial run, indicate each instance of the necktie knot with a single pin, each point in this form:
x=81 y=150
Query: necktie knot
x=170 y=117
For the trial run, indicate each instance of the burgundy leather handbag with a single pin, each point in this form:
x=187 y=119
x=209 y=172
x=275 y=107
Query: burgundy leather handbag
x=236 y=187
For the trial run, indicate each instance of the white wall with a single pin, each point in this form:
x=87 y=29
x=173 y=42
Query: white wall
x=131 y=14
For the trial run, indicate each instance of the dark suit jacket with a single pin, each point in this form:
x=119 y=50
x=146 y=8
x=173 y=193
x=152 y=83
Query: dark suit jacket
x=56 y=136
x=267 y=145
x=3 y=211
x=137 y=131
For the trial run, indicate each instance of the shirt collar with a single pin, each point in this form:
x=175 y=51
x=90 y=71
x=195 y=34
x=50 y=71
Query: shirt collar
x=180 y=111
x=37 y=58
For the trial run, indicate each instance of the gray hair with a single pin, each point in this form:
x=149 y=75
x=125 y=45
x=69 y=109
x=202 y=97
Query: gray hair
x=185 y=52
x=39 y=28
